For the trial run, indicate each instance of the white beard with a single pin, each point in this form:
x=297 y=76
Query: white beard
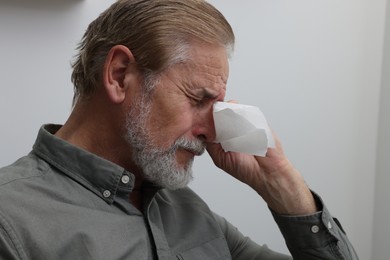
x=158 y=165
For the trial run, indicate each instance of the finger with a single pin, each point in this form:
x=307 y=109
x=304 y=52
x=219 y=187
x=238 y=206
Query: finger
x=214 y=149
x=233 y=101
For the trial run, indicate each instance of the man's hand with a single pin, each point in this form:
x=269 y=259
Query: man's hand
x=273 y=177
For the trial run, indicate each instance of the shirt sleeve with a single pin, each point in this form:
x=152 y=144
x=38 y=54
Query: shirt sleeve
x=317 y=236
x=242 y=247
x=8 y=243
x=309 y=237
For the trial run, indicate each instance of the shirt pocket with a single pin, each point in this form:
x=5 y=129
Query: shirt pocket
x=215 y=249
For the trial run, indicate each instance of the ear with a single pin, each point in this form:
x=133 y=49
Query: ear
x=116 y=66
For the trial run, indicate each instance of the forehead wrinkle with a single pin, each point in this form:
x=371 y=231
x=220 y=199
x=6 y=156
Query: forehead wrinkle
x=212 y=64
x=214 y=72
x=207 y=62
x=205 y=71
x=213 y=83
x=212 y=80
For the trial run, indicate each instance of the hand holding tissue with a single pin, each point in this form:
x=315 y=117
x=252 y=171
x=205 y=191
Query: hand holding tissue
x=242 y=128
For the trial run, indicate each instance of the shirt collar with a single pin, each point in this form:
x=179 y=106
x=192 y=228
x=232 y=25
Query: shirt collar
x=101 y=176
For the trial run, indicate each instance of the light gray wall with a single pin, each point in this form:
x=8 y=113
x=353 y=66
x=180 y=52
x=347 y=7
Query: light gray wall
x=381 y=248
x=313 y=67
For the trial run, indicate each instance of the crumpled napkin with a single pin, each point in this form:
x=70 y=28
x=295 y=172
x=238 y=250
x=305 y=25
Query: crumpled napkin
x=242 y=128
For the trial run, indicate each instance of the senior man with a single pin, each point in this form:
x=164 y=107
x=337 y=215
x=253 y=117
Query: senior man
x=111 y=183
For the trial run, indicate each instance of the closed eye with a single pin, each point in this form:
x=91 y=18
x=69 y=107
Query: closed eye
x=202 y=102
x=204 y=97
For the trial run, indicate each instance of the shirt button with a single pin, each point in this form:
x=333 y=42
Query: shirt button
x=315 y=229
x=106 y=193
x=125 y=179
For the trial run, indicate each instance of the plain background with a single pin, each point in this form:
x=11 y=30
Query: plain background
x=317 y=69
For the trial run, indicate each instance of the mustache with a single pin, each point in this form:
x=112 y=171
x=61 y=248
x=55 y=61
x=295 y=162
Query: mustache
x=195 y=146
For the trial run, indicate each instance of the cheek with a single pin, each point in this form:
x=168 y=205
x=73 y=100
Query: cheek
x=170 y=124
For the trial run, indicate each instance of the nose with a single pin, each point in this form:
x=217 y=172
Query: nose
x=204 y=128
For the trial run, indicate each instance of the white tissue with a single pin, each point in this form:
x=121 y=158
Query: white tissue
x=242 y=128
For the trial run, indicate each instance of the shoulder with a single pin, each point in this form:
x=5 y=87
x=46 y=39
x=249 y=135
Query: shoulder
x=15 y=179
x=27 y=167
x=20 y=181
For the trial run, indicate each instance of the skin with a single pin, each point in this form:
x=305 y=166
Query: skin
x=181 y=106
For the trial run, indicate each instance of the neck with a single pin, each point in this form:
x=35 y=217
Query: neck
x=93 y=127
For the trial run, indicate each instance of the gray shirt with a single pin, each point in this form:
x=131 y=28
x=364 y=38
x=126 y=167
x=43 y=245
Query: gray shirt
x=62 y=202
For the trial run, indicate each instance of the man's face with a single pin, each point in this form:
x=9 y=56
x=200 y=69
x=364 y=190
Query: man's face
x=169 y=127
